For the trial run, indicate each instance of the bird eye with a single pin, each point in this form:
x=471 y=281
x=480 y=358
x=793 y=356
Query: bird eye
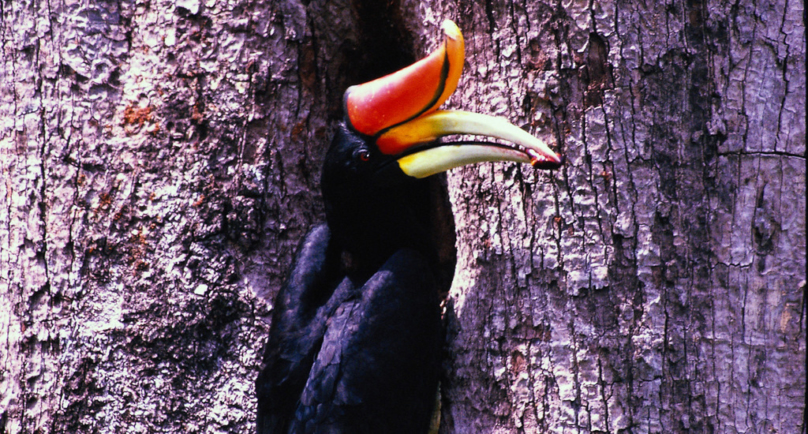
x=364 y=155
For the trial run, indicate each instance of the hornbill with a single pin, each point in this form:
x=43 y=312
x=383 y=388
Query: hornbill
x=356 y=338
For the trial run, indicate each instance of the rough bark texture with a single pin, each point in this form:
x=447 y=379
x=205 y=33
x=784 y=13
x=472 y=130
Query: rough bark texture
x=655 y=284
x=160 y=159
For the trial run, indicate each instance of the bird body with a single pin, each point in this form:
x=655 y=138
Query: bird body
x=356 y=338
x=329 y=337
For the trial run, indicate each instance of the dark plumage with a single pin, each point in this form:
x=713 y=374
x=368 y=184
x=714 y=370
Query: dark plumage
x=356 y=330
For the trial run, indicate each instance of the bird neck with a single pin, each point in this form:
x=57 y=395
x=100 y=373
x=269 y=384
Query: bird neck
x=372 y=225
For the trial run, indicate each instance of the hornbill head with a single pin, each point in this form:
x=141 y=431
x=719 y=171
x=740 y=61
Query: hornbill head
x=389 y=141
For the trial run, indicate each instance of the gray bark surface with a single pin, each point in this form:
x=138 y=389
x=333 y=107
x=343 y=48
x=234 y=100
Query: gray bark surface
x=657 y=283
x=159 y=161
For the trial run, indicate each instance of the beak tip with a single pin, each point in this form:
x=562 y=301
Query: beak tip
x=548 y=164
x=451 y=30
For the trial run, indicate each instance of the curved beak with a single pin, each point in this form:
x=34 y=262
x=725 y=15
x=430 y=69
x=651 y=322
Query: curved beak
x=524 y=149
x=399 y=113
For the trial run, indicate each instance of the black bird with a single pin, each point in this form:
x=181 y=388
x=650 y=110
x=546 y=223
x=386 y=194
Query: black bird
x=356 y=331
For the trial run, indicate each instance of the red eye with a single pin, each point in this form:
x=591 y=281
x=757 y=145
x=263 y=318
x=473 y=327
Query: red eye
x=364 y=155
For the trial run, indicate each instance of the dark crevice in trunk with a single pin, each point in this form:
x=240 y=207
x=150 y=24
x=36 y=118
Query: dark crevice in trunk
x=384 y=45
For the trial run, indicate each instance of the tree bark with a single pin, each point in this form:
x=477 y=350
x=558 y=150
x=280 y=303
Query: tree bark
x=656 y=283
x=160 y=160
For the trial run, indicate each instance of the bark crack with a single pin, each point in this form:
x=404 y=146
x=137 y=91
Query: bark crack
x=603 y=395
x=577 y=403
x=784 y=76
x=43 y=172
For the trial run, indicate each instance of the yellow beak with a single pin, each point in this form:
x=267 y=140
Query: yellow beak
x=437 y=124
x=399 y=114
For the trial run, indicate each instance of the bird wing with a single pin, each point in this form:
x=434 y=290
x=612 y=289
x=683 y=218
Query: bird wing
x=312 y=291
x=378 y=366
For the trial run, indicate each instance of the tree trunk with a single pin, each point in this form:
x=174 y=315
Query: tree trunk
x=160 y=160
x=656 y=283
